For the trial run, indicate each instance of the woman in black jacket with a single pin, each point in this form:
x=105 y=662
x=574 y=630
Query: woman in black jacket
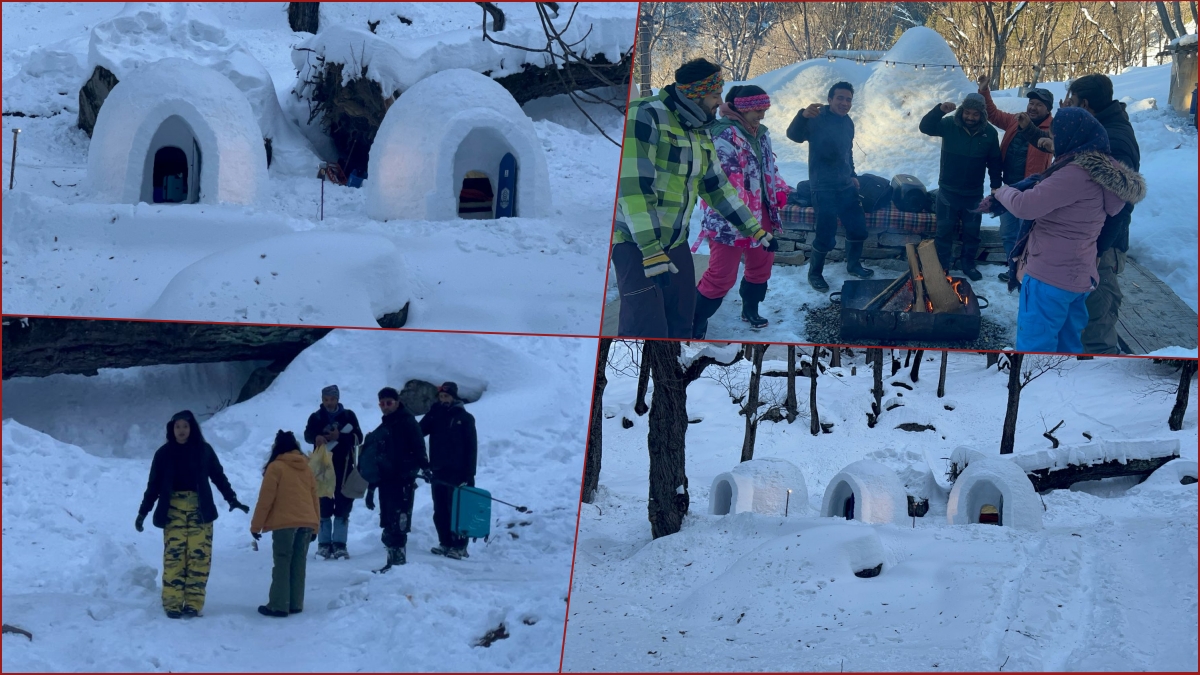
x=179 y=477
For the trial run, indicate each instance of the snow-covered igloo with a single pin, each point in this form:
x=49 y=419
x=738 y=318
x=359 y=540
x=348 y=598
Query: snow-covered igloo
x=997 y=491
x=440 y=147
x=177 y=132
x=767 y=485
x=868 y=491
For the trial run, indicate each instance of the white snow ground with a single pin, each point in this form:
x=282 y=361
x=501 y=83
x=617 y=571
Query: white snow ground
x=1109 y=584
x=79 y=577
x=888 y=105
x=66 y=256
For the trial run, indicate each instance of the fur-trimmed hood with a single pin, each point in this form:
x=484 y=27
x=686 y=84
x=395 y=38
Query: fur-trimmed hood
x=1113 y=176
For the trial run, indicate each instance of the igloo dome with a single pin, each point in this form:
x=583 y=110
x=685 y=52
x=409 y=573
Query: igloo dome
x=176 y=132
x=439 y=151
x=767 y=485
x=868 y=491
x=996 y=491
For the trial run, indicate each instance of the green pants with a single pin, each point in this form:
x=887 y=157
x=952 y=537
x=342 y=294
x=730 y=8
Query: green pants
x=1100 y=335
x=289 y=547
x=187 y=554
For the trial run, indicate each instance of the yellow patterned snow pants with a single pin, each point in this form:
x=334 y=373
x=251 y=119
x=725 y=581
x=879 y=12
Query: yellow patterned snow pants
x=187 y=554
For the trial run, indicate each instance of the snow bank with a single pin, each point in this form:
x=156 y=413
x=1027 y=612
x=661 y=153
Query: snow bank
x=1097 y=452
x=878 y=495
x=161 y=103
x=1169 y=475
x=1000 y=483
x=313 y=278
x=450 y=123
x=767 y=485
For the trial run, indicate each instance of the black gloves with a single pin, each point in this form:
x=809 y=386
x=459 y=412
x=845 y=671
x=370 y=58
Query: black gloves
x=773 y=245
x=257 y=535
x=370 y=499
x=138 y=523
x=235 y=504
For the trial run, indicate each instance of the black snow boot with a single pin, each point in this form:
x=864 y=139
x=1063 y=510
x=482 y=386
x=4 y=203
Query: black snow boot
x=325 y=551
x=752 y=294
x=440 y=550
x=816 y=265
x=705 y=308
x=339 y=551
x=854 y=268
x=395 y=557
x=267 y=611
x=457 y=553
x=968 y=264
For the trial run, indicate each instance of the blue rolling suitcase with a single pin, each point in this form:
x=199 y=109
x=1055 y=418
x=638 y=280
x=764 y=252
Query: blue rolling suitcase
x=471 y=512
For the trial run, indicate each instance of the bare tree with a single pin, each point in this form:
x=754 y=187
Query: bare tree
x=754 y=352
x=1166 y=20
x=941 y=392
x=814 y=420
x=1186 y=373
x=876 y=356
x=591 y=464
x=1023 y=369
x=304 y=17
x=835 y=357
x=791 y=405
x=915 y=373
x=639 y=404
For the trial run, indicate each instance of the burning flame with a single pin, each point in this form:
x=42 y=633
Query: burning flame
x=957 y=285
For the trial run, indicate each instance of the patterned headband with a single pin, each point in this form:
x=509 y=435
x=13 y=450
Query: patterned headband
x=759 y=102
x=701 y=88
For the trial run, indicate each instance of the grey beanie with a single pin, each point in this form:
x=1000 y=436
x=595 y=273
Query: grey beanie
x=331 y=390
x=975 y=101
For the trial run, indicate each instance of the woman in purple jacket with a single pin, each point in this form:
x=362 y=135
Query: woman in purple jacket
x=1069 y=202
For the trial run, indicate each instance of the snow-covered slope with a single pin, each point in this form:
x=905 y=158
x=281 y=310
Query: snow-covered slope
x=76 y=456
x=1108 y=584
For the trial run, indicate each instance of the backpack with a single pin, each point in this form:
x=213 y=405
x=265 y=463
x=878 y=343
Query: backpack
x=908 y=193
x=372 y=455
x=874 y=192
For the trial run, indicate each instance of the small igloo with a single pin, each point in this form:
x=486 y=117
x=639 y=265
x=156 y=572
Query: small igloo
x=994 y=491
x=767 y=485
x=438 y=153
x=868 y=491
x=176 y=132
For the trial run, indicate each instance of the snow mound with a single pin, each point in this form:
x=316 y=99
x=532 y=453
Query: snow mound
x=878 y=496
x=466 y=122
x=767 y=485
x=1099 y=452
x=146 y=32
x=169 y=103
x=1169 y=475
x=321 y=278
x=999 y=483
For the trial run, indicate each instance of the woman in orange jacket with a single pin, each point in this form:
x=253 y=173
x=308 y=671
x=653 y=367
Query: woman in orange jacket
x=287 y=508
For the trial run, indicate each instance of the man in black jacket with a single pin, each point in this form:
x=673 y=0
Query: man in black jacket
x=402 y=459
x=970 y=146
x=332 y=423
x=830 y=135
x=453 y=451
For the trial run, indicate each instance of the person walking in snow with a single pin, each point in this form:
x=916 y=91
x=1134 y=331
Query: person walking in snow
x=970 y=146
x=743 y=145
x=453 y=451
x=287 y=508
x=179 y=493
x=829 y=132
x=667 y=161
x=1069 y=204
x=1019 y=155
x=332 y=423
x=401 y=457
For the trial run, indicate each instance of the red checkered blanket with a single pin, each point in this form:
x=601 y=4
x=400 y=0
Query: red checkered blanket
x=890 y=219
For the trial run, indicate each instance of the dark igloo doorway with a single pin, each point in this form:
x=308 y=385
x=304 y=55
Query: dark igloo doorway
x=986 y=504
x=485 y=163
x=722 y=498
x=170 y=175
x=172 y=170
x=842 y=501
x=476 y=197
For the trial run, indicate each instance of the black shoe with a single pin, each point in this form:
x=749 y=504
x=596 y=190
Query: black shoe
x=968 y=268
x=396 y=556
x=295 y=611
x=705 y=308
x=173 y=614
x=854 y=268
x=267 y=611
x=325 y=551
x=440 y=550
x=816 y=265
x=189 y=613
x=456 y=553
x=1003 y=276
x=340 y=552
x=752 y=294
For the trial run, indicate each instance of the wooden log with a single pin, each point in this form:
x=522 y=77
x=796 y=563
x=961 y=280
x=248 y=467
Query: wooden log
x=942 y=296
x=17 y=631
x=914 y=267
x=1044 y=479
x=877 y=301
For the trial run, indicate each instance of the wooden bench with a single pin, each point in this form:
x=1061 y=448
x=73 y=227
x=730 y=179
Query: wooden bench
x=1152 y=317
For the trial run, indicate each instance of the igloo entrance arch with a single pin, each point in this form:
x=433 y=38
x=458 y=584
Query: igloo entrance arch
x=477 y=170
x=868 y=491
x=172 y=171
x=994 y=491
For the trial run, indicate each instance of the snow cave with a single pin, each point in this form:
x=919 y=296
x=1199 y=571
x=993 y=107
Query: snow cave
x=868 y=491
x=766 y=485
x=174 y=132
x=994 y=491
x=477 y=155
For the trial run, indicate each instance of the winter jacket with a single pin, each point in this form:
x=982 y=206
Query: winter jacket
x=1069 y=207
x=749 y=162
x=202 y=462
x=1036 y=161
x=343 y=453
x=453 y=445
x=965 y=154
x=403 y=452
x=667 y=161
x=288 y=496
x=830 y=139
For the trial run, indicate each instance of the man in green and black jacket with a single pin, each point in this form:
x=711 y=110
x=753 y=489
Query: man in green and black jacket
x=667 y=161
x=969 y=147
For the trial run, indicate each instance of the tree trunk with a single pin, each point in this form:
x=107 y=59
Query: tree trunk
x=752 y=403
x=304 y=17
x=942 y=375
x=814 y=425
x=591 y=463
x=1175 y=422
x=992 y=359
x=877 y=386
x=639 y=405
x=791 y=405
x=666 y=440
x=644 y=30
x=1179 y=18
x=496 y=13
x=808 y=40
x=915 y=373
x=895 y=362
x=1166 y=20
x=835 y=357
x=1009 y=436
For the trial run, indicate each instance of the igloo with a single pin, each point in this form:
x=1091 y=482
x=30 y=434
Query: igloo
x=996 y=491
x=439 y=150
x=177 y=132
x=868 y=491
x=767 y=485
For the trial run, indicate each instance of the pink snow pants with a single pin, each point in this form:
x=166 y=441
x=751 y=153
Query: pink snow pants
x=722 y=270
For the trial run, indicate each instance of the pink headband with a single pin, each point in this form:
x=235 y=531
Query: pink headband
x=760 y=102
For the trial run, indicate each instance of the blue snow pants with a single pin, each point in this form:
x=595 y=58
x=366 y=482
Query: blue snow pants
x=1050 y=319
